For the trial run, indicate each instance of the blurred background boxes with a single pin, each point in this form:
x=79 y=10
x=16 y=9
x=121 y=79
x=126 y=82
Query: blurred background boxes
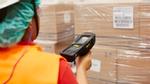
x=145 y=20
x=96 y=81
x=120 y=65
x=55 y=20
x=103 y=63
x=98 y=18
x=133 y=66
x=56 y=24
x=121 y=54
x=53 y=46
x=46 y=45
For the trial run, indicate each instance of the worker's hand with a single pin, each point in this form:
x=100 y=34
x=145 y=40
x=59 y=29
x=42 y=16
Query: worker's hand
x=84 y=62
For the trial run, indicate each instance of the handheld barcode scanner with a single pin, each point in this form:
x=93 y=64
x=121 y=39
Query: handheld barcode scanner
x=80 y=47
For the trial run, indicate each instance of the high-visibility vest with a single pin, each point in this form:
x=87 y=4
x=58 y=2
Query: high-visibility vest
x=34 y=67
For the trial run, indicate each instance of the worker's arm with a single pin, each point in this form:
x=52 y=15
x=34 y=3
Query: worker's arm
x=66 y=76
x=83 y=64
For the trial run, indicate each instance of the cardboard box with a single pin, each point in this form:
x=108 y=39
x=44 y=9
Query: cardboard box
x=121 y=65
x=103 y=63
x=48 y=46
x=62 y=36
x=51 y=16
x=97 y=81
x=56 y=22
x=54 y=46
x=133 y=66
x=125 y=42
x=100 y=19
x=145 y=20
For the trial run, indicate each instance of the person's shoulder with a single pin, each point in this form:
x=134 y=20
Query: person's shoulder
x=37 y=53
x=40 y=63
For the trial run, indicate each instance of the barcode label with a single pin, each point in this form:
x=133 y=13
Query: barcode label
x=67 y=17
x=123 y=17
x=96 y=65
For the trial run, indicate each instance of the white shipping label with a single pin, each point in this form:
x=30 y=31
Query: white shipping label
x=96 y=65
x=67 y=18
x=123 y=17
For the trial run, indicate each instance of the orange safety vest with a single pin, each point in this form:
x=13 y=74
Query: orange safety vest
x=33 y=67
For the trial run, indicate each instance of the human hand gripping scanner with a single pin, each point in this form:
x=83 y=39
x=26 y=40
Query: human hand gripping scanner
x=80 y=47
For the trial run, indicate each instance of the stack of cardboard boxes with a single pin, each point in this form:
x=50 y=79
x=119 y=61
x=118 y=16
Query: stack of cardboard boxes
x=121 y=54
x=103 y=65
x=119 y=65
x=133 y=66
x=56 y=25
x=98 y=18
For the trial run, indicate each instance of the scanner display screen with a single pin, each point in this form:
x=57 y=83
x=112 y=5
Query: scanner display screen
x=82 y=40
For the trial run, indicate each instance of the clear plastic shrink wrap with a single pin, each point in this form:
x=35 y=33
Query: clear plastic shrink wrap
x=122 y=51
x=56 y=24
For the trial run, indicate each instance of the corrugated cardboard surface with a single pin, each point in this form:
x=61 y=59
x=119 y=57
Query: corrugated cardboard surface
x=145 y=20
x=97 y=81
x=51 y=16
x=98 y=18
x=124 y=57
x=56 y=21
x=121 y=65
x=57 y=26
x=54 y=46
x=133 y=66
x=107 y=57
x=123 y=53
